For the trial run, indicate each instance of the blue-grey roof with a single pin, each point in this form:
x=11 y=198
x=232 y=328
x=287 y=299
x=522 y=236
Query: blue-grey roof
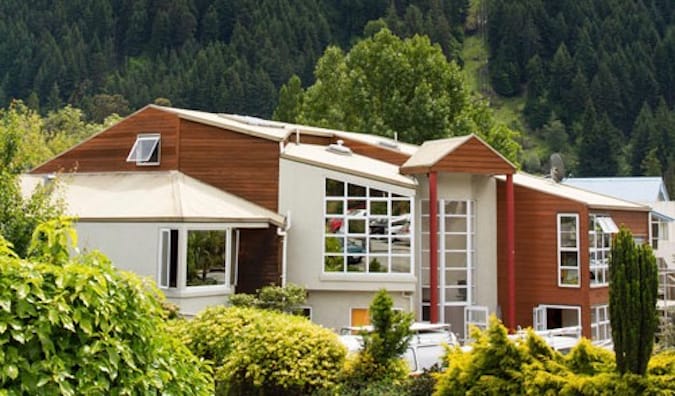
x=637 y=189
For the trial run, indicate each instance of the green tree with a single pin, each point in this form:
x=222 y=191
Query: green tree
x=287 y=299
x=633 y=291
x=598 y=146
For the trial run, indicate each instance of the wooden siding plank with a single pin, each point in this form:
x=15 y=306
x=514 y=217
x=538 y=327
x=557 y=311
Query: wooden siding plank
x=473 y=157
x=108 y=150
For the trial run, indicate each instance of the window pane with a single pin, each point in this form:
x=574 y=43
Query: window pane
x=378 y=208
x=400 y=207
x=455 y=259
x=335 y=188
x=569 y=259
x=378 y=245
x=569 y=277
x=335 y=225
x=455 y=224
x=356 y=208
x=335 y=207
x=354 y=190
x=455 y=242
x=334 y=263
x=334 y=244
x=357 y=226
x=455 y=207
x=378 y=193
x=400 y=264
x=206 y=258
x=378 y=264
x=164 y=269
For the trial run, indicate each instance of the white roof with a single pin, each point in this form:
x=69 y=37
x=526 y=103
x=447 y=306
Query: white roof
x=592 y=199
x=151 y=196
x=379 y=141
x=271 y=130
x=636 y=189
x=351 y=163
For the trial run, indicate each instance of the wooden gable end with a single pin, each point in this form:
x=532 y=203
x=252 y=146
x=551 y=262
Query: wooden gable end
x=474 y=156
x=108 y=150
x=240 y=164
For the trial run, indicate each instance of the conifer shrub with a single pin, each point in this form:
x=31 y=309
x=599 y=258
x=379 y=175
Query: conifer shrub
x=79 y=326
x=256 y=351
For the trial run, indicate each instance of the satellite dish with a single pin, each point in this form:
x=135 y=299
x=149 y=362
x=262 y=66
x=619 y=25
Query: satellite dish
x=557 y=168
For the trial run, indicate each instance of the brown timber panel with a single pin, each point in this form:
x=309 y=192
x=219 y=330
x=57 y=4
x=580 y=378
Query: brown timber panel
x=258 y=259
x=636 y=222
x=474 y=157
x=380 y=153
x=536 y=253
x=240 y=164
x=108 y=150
x=310 y=139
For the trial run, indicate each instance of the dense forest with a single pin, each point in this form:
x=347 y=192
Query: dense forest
x=598 y=78
x=214 y=55
x=595 y=79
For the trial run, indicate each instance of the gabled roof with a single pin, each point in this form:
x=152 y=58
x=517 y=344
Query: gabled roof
x=468 y=154
x=151 y=197
x=636 y=189
x=351 y=163
x=589 y=198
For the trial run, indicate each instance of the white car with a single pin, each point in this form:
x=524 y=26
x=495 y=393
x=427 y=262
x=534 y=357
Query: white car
x=426 y=347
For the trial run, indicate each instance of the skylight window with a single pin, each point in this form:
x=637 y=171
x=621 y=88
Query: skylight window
x=146 y=150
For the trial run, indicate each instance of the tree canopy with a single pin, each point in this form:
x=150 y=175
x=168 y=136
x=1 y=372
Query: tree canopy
x=390 y=86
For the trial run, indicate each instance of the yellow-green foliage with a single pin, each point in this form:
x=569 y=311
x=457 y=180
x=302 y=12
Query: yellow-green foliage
x=79 y=326
x=528 y=366
x=256 y=351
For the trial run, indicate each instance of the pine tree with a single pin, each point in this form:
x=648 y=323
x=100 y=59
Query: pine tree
x=290 y=101
x=643 y=127
x=633 y=291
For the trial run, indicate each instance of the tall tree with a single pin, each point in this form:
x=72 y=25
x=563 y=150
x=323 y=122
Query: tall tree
x=633 y=291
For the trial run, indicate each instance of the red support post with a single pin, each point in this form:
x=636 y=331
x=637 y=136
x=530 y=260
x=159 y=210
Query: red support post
x=511 y=253
x=433 y=247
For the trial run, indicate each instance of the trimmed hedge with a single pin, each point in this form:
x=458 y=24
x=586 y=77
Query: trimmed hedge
x=264 y=352
x=82 y=327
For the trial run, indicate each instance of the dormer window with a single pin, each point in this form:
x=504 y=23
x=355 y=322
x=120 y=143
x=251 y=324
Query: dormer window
x=146 y=150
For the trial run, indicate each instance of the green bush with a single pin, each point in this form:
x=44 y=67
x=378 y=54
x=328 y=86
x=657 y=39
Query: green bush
x=78 y=326
x=528 y=366
x=262 y=352
x=288 y=299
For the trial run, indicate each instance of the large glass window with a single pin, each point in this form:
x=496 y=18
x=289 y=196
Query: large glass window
x=456 y=260
x=367 y=230
x=659 y=231
x=600 y=230
x=568 y=250
x=600 y=325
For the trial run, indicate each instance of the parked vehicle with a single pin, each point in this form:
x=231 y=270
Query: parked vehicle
x=426 y=347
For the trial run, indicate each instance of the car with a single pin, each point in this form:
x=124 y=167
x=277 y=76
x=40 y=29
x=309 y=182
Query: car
x=425 y=350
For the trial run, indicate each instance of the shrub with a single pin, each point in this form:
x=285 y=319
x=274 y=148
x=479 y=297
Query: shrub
x=261 y=352
x=78 y=326
x=286 y=299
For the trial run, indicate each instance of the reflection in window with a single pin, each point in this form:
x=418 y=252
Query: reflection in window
x=568 y=250
x=600 y=230
x=206 y=257
x=367 y=230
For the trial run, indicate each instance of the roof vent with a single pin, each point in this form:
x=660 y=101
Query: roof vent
x=339 y=148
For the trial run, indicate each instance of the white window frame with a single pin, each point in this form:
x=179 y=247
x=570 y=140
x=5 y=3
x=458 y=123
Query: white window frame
x=161 y=282
x=539 y=318
x=231 y=263
x=135 y=154
x=661 y=227
x=600 y=245
x=390 y=237
x=561 y=249
x=599 y=327
x=470 y=313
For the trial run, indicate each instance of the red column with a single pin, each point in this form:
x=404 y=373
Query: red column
x=433 y=247
x=511 y=253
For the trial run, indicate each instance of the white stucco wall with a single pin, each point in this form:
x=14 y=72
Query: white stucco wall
x=332 y=309
x=134 y=247
x=301 y=193
x=483 y=191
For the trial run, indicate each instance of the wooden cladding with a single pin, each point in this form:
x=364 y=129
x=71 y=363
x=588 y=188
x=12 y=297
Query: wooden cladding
x=108 y=150
x=473 y=156
x=380 y=153
x=259 y=258
x=240 y=164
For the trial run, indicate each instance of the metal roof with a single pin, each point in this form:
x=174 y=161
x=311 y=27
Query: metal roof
x=591 y=199
x=351 y=163
x=151 y=196
x=636 y=189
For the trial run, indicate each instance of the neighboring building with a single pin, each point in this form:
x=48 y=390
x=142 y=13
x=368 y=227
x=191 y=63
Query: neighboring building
x=563 y=238
x=212 y=204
